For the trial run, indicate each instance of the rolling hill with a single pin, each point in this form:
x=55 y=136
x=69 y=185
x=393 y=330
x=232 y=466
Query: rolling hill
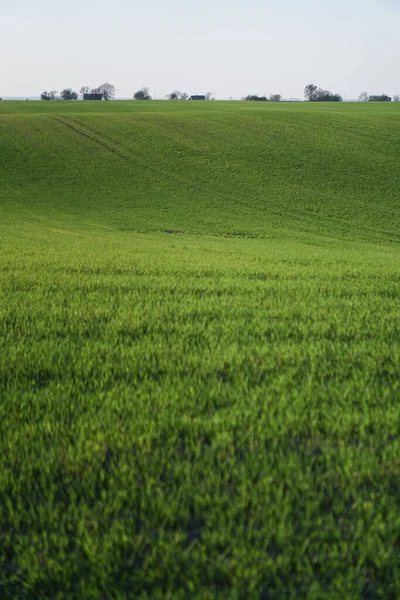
x=199 y=350
x=206 y=167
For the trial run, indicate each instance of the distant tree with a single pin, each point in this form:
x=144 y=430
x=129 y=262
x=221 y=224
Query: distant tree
x=208 y=95
x=49 y=95
x=310 y=92
x=396 y=98
x=85 y=89
x=142 y=94
x=255 y=98
x=176 y=95
x=275 y=98
x=363 y=97
x=69 y=94
x=107 y=90
x=326 y=96
x=314 y=94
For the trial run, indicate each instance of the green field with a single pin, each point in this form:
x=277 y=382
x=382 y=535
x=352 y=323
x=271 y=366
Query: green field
x=199 y=350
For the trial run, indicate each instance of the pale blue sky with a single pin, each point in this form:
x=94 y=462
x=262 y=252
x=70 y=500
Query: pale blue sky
x=231 y=47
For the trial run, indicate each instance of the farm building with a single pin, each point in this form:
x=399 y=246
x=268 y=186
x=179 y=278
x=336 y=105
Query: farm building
x=197 y=97
x=382 y=98
x=93 y=96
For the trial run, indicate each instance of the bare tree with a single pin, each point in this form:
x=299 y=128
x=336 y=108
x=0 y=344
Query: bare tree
x=107 y=90
x=275 y=98
x=142 y=94
x=208 y=95
x=363 y=97
x=396 y=98
x=85 y=89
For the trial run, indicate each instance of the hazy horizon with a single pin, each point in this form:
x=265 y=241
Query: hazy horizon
x=228 y=48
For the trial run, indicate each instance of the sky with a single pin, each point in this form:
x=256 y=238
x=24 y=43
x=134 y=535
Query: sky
x=228 y=47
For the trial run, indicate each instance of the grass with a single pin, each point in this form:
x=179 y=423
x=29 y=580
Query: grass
x=199 y=351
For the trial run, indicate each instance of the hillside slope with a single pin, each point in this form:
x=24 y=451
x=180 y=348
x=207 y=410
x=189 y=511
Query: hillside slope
x=199 y=351
x=235 y=168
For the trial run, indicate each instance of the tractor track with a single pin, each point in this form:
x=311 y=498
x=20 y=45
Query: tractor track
x=117 y=149
x=114 y=146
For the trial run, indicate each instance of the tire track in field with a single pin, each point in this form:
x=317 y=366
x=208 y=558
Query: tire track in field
x=76 y=130
x=37 y=139
x=274 y=208
x=133 y=156
x=115 y=147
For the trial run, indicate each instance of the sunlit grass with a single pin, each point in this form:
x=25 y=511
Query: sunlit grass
x=199 y=351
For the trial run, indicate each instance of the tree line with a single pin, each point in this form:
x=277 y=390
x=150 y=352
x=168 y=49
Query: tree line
x=312 y=93
x=144 y=94
x=106 y=90
x=255 y=98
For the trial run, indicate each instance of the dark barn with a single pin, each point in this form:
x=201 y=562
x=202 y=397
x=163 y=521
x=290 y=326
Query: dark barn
x=197 y=97
x=93 y=96
x=381 y=98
